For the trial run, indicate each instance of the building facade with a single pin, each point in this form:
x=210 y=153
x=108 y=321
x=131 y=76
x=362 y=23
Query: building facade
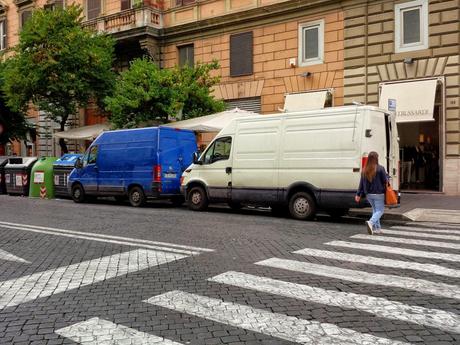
x=332 y=52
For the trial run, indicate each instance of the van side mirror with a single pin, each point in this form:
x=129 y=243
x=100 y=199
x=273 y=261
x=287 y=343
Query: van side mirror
x=78 y=163
x=196 y=158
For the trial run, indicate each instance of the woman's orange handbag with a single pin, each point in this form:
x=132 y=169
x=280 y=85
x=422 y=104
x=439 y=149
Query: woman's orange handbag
x=390 y=196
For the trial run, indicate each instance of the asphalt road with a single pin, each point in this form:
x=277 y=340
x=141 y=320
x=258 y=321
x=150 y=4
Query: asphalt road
x=107 y=273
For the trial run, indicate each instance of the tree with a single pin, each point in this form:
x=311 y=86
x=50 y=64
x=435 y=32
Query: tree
x=58 y=66
x=147 y=94
x=13 y=125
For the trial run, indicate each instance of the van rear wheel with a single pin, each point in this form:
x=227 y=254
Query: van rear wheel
x=78 y=193
x=302 y=206
x=136 y=196
x=197 y=199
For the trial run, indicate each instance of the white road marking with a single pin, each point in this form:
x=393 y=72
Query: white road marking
x=435 y=225
x=274 y=324
x=380 y=307
x=407 y=241
x=422 y=229
x=395 y=250
x=419 y=285
x=96 y=331
x=126 y=239
x=374 y=261
x=90 y=237
x=43 y=284
x=421 y=234
x=4 y=255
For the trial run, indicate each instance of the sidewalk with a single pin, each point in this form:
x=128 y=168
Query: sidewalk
x=421 y=207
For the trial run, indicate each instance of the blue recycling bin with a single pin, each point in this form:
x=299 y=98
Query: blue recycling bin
x=61 y=171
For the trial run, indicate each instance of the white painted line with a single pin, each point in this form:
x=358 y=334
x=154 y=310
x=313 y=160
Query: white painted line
x=256 y=320
x=61 y=279
x=105 y=240
x=96 y=331
x=435 y=225
x=380 y=307
x=127 y=239
x=4 y=255
x=407 y=241
x=422 y=229
x=421 y=234
x=419 y=285
x=395 y=250
x=382 y=262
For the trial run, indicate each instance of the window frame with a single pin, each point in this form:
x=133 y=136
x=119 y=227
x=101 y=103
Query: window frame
x=233 y=45
x=3 y=34
x=319 y=24
x=422 y=5
x=101 y=10
x=93 y=152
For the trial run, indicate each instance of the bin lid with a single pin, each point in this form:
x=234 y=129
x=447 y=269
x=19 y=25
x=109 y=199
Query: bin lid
x=3 y=160
x=67 y=160
x=20 y=162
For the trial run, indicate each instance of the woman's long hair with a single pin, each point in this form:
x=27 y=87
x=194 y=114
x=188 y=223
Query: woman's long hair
x=370 y=170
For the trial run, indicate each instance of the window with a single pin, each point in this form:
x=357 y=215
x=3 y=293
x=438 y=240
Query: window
x=186 y=55
x=93 y=9
x=219 y=150
x=411 y=26
x=3 y=34
x=92 y=157
x=127 y=4
x=184 y=2
x=241 y=52
x=311 y=43
x=25 y=16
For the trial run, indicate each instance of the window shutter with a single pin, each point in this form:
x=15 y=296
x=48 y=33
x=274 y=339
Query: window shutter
x=59 y=4
x=125 y=4
x=3 y=32
x=25 y=16
x=187 y=55
x=93 y=8
x=241 y=54
x=184 y=2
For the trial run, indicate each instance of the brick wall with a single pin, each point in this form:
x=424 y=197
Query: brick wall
x=274 y=45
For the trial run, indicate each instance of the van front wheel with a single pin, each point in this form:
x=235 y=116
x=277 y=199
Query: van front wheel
x=78 y=193
x=302 y=206
x=136 y=196
x=197 y=199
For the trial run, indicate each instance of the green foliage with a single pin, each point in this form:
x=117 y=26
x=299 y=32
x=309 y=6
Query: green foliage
x=58 y=65
x=14 y=125
x=146 y=94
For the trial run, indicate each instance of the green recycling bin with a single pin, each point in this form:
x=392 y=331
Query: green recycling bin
x=41 y=178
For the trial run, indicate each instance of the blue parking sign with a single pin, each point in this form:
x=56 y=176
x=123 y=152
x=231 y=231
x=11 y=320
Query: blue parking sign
x=391 y=104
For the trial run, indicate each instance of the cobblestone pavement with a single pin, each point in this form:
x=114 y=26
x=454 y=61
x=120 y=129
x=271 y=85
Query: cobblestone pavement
x=107 y=273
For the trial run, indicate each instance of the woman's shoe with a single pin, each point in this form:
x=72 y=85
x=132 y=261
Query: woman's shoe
x=369 y=225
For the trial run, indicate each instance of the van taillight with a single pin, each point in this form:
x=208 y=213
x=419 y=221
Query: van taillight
x=363 y=162
x=157 y=173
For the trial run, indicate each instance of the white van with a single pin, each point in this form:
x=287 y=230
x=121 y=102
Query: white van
x=301 y=162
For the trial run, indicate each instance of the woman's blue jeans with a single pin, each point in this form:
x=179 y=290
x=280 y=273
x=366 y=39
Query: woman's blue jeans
x=377 y=202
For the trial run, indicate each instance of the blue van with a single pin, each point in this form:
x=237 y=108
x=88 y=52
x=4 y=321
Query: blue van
x=137 y=164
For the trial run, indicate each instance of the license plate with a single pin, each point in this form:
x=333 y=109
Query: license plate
x=170 y=175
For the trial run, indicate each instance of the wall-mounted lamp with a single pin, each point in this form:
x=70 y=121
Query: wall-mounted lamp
x=306 y=74
x=409 y=61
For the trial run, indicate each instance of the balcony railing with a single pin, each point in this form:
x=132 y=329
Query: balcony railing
x=127 y=20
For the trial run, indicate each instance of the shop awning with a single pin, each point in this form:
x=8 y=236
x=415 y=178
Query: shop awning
x=213 y=122
x=83 y=133
x=414 y=100
x=305 y=101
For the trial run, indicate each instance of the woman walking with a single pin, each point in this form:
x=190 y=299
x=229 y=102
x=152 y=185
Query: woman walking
x=372 y=186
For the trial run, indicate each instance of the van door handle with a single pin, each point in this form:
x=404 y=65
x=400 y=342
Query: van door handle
x=228 y=170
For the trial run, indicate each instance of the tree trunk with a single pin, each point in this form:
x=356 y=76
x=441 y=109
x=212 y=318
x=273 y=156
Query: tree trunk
x=62 y=142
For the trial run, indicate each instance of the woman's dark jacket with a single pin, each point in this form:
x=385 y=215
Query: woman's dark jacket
x=376 y=186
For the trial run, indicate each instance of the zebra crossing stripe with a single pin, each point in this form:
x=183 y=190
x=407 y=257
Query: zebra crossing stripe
x=4 y=255
x=256 y=320
x=421 y=234
x=96 y=331
x=407 y=241
x=395 y=250
x=380 y=307
x=61 y=279
x=419 y=285
x=413 y=228
x=374 y=261
x=435 y=225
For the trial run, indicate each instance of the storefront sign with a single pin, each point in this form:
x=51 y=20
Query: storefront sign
x=412 y=101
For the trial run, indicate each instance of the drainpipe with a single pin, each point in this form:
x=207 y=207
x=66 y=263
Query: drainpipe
x=366 y=53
